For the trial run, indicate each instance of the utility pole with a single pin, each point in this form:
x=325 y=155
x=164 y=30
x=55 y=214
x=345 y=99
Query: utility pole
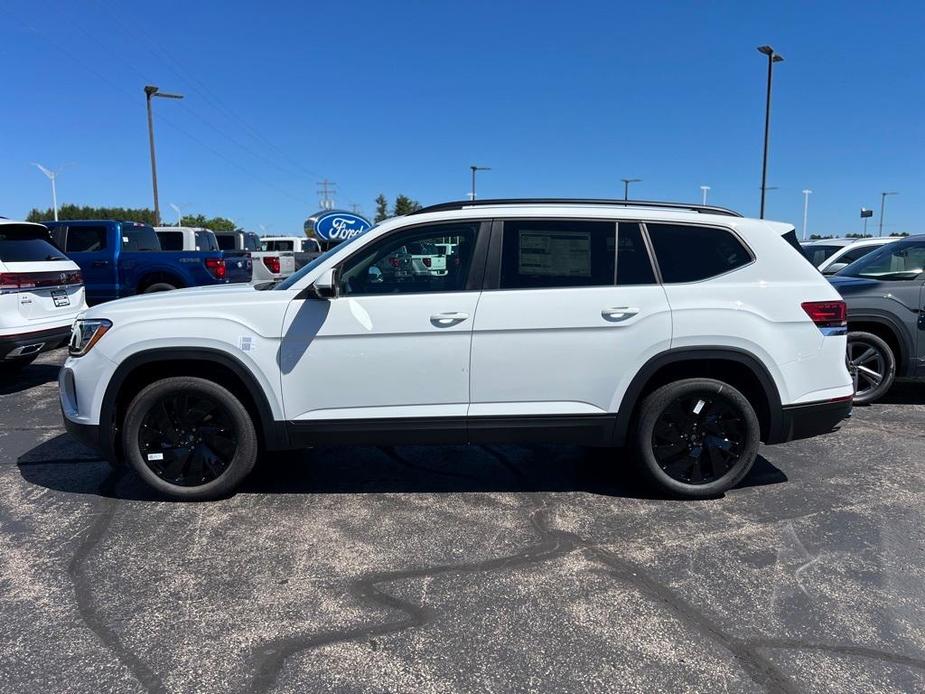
x=772 y=58
x=326 y=192
x=626 y=186
x=475 y=168
x=354 y=208
x=882 y=205
x=806 y=193
x=152 y=91
x=52 y=175
x=705 y=190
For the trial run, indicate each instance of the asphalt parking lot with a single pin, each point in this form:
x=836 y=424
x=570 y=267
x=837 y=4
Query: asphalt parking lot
x=442 y=569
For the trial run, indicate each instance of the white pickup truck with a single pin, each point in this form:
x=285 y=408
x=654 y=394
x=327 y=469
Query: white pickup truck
x=303 y=248
x=268 y=265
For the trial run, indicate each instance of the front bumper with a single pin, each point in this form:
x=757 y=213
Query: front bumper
x=21 y=345
x=810 y=419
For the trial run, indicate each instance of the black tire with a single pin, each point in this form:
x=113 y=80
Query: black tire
x=696 y=438
x=875 y=363
x=14 y=365
x=159 y=287
x=204 y=436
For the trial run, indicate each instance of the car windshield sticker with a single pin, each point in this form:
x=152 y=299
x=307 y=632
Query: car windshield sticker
x=564 y=254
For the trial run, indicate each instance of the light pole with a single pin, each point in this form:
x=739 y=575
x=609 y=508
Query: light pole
x=475 y=168
x=806 y=193
x=705 y=190
x=626 y=186
x=882 y=204
x=149 y=92
x=772 y=58
x=52 y=175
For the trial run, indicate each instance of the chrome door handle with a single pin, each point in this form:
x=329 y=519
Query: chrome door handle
x=619 y=313
x=446 y=320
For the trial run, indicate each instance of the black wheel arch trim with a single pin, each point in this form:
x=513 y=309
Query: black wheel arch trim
x=274 y=431
x=628 y=405
x=904 y=365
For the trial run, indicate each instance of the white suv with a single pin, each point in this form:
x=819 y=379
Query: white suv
x=41 y=292
x=686 y=332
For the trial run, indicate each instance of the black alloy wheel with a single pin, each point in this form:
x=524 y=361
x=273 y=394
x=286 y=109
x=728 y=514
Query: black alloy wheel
x=187 y=439
x=871 y=358
x=697 y=437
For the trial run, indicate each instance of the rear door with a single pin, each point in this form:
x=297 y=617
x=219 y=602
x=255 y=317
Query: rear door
x=571 y=310
x=88 y=246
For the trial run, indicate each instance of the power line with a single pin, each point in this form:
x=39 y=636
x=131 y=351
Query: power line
x=326 y=192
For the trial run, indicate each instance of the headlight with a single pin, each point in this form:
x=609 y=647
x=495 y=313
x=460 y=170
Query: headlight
x=85 y=334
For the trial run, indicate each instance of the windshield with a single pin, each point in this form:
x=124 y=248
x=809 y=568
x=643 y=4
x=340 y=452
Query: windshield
x=903 y=260
x=315 y=262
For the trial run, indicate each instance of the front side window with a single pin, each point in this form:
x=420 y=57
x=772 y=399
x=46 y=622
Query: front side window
x=251 y=242
x=85 y=239
x=170 y=240
x=407 y=262
x=539 y=254
x=904 y=260
x=205 y=241
x=688 y=253
x=855 y=254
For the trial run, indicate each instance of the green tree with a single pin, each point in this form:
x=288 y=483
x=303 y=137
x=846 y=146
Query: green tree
x=382 y=209
x=143 y=214
x=405 y=205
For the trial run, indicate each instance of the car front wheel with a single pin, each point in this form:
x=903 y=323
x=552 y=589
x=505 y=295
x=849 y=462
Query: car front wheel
x=697 y=437
x=189 y=438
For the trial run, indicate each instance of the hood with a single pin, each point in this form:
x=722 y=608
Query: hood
x=209 y=296
x=849 y=285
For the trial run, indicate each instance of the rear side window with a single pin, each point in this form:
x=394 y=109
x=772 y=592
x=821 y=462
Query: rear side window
x=225 y=241
x=537 y=254
x=205 y=241
x=26 y=244
x=139 y=238
x=251 y=242
x=85 y=239
x=691 y=253
x=816 y=254
x=170 y=240
x=633 y=263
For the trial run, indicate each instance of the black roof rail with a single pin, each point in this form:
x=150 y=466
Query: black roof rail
x=462 y=204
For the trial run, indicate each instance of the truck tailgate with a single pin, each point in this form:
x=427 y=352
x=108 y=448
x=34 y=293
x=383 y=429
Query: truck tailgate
x=238 y=266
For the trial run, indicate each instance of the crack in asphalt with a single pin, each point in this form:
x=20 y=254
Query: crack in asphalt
x=77 y=570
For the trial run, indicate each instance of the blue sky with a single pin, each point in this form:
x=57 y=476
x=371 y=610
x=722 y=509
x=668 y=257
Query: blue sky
x=560 y=99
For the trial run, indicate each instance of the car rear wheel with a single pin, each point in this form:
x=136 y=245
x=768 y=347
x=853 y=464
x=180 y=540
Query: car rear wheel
x=696 y=438
x=875 y=364
x=189 y=438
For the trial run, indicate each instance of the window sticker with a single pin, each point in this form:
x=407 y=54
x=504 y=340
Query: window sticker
x=155 y=456
x=247 y=344
x=560 y=253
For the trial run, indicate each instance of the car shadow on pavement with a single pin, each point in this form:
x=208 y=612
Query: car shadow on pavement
x=27 y=377
x=63 y=465
x=904 y=393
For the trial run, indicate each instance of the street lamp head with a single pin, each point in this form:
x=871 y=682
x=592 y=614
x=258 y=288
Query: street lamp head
x=893 y=193
x=150 y=90
x=767 y=50
x=806 y=191
x=165 y=95
x=631 y=180
x=777 y=58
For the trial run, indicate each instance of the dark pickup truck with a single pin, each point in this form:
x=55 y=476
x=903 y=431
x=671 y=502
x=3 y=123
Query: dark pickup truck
x=121 y=259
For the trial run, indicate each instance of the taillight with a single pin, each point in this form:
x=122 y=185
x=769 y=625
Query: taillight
x=827 y=314
x=427 y=262
x=272 y=263
x=217 y=267
x=18 y=281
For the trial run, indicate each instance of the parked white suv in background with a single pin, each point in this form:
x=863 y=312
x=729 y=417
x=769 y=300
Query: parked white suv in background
x=832 y=255
x=686 y=332
x=41 y=293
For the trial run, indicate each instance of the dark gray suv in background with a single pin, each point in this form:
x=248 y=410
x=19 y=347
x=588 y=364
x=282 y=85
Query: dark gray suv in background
x=885 y=293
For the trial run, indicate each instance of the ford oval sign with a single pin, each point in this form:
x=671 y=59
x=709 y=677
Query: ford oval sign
x=337 y=226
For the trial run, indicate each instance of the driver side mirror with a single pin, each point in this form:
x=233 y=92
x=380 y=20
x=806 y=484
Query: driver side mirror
x=834 y=267
x=325 y=287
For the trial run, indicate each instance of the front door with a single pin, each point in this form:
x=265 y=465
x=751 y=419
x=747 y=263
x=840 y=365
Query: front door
x=574 y=312
x=88 y=246
x=394 y=343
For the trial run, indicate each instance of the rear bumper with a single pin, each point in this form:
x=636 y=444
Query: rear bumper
x=30 y=343
x=810 y=419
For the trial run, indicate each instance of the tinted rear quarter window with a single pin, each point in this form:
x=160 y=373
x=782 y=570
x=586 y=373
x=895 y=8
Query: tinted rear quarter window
x=688 y=253
x=139 y=238
x=170 y=240
x=25 y=244
x=538 y=254
x=225 y=241
x=85 y=239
